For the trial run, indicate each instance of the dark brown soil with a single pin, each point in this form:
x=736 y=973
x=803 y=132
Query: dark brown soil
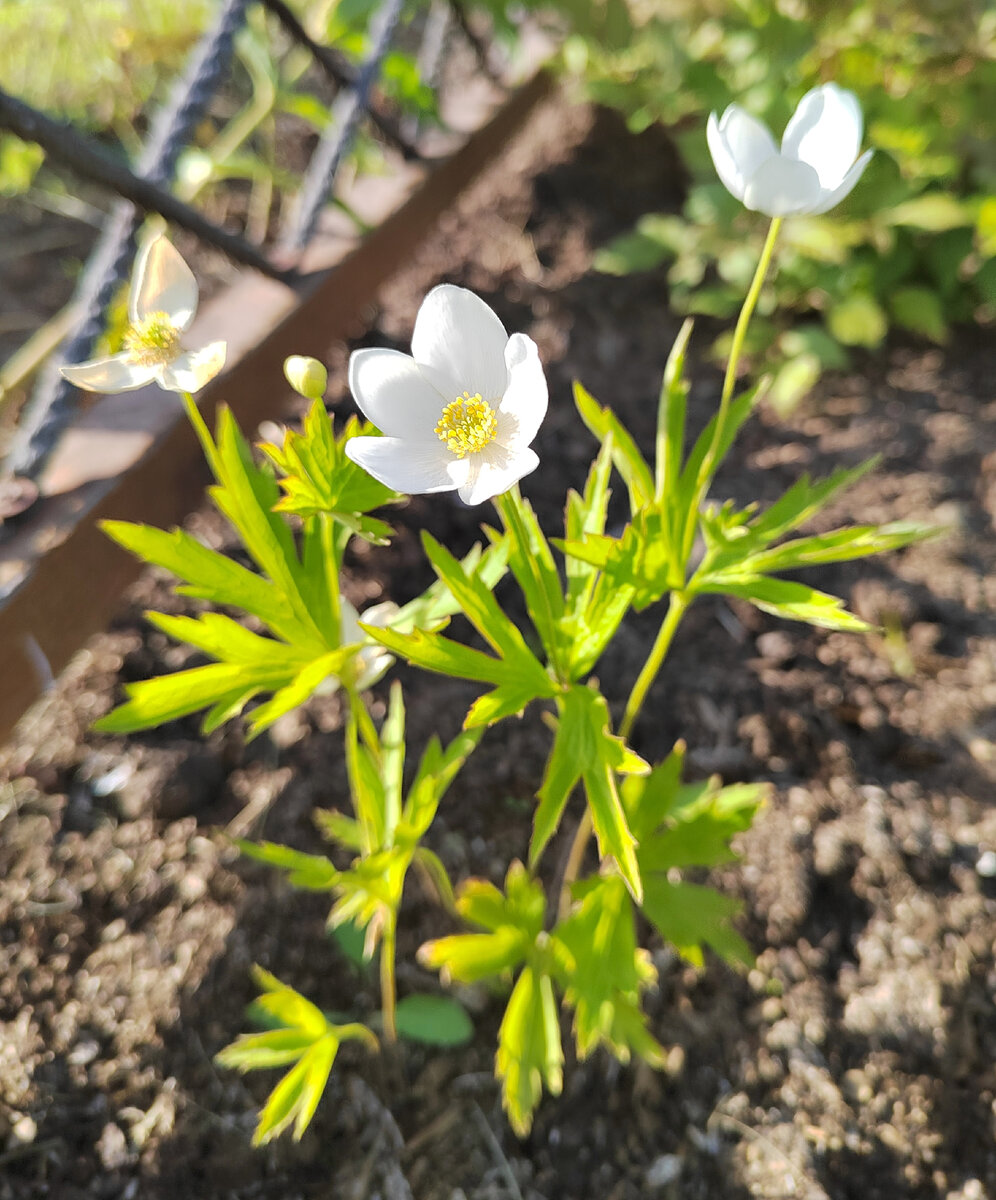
x=855 y=1059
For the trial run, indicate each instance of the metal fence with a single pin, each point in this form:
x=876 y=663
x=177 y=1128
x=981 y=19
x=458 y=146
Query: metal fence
x=146 y=187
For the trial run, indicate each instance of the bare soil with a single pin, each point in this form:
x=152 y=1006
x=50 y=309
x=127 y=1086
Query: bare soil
x=854 y=1060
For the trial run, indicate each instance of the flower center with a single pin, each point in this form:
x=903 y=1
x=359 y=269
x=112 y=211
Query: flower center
x=467 y=425
x=153 y=341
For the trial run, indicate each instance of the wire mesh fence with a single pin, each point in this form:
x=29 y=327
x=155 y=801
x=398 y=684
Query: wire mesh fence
x=148 y=186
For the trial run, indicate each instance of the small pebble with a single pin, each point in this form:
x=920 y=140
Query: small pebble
x=986 y=866
x=663 y=1170
x=24 y=1131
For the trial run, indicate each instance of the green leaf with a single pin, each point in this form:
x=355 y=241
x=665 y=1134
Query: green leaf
x=793 y=381
x=628 y=460
x=311 y=871
x=531 y=562
x=804 y=499
x=470 y=957
x=934 y=212
x=585 y=749
x=318 y=476
x=645 y=559
x=155 y=701
x=529 y=1049
x=649 y=798
x=698 y=826
x=518 y=675
x=208 y=574
x=438 y=602
x=690 y=916
x=920 y=309
x=630 y=253
x=604 y=972
x=478 y=604
x=671 y=411
x=514 y=921
x=858 y=320
x=840 y=545
x=434 y=1020
x=784 y=598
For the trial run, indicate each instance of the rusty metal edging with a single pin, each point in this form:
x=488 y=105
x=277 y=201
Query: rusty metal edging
x=70 y=575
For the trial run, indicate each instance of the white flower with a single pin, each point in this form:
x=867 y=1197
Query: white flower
x=372 y=660
x=815 y=168
x=162 y=301
x=461 y=412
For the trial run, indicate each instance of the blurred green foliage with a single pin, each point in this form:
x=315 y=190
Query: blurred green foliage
x=106 y=65
x=914 y=246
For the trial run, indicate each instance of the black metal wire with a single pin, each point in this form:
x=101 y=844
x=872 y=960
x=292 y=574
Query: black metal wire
x=53 y=400
x=347 y=112
x=344 y=75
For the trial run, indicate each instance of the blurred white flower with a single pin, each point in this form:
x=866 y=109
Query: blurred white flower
x=460 y=412
x=372 y=660
x=162 y=301
x=814 y=170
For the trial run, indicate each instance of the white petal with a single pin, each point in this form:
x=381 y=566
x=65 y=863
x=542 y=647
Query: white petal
x=782 y=186
x=413 y=467
x=115 y=374
x=457 y=335
x=162 y=282
x=523 y=406
x=495 y=470
x=349 y=623
x=393 y=393
x=191 y=371
x=747 y=141
x=832 y=199
x=381 y=614
x=722 y=159
x=825 y=131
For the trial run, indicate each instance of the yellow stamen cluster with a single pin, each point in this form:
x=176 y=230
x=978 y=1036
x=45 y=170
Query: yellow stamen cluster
x=153 y=341
x=467 y=425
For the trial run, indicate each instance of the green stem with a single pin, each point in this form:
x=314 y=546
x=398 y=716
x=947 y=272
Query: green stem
x=201 y=429
x=655 y=659
x=730 y=378
x=331 y=563
x=388 y=989
x=364 y=722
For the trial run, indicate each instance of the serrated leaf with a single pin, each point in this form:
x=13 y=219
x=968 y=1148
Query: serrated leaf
x=470 y=957
x=604 y=972
x=585 y=749
x=438 y=602
x=208 y=574
x=690 y=916
x=434 y=1020
x=531 y=562
x=785 y=598
x=155 y=701
x=311 y=871
x=840 y=545
x=529 y=1054
x=805 y=498
x=628 y=460
x=318 y=476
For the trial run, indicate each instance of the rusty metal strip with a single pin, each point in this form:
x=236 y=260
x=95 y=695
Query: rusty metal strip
x=69 y=575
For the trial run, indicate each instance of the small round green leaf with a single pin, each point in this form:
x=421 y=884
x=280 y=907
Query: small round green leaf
x=434 y=1020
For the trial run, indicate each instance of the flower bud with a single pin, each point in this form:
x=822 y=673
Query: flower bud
x=306 y=376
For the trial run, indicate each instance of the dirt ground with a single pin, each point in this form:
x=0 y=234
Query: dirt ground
x=854 y=1060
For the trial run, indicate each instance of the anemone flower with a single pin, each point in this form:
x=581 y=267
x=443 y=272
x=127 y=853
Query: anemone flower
x=458 y=414
x=816 y=167
x=162 y=302
x=372 y=660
